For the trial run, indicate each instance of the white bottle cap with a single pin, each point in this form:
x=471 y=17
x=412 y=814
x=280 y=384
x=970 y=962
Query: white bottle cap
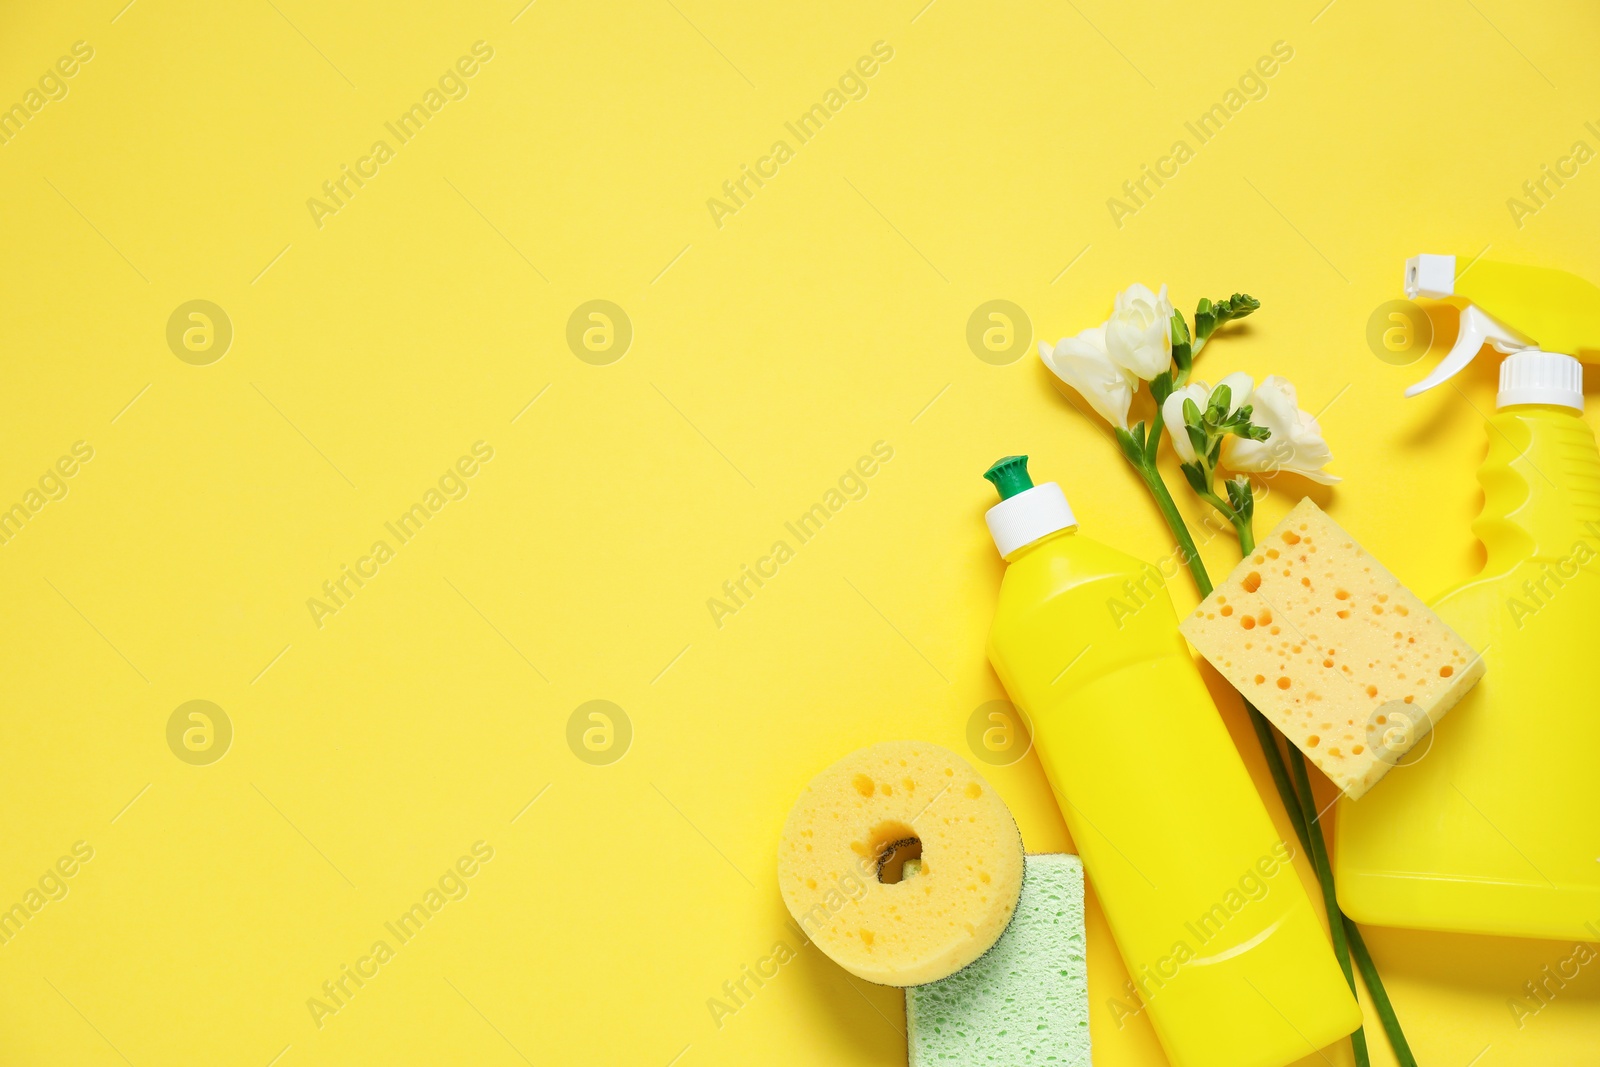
x=1029 y=515
x=1535 y=377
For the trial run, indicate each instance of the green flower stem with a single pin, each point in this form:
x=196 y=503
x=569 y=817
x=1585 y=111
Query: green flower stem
x=1336 y=922
x=1202 y=580
x=1358 y=945
x=1210 y=497
x=1180 y=529
x=1247 y=536
x=1301 y=816
x=1380 y=997
x=1243 y=525
x=1153 y=442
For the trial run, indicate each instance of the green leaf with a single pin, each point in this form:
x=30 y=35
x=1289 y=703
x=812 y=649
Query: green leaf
x=1205 y=318
x=1240 y=426
x=1217 y=409
x=1234 y=496
x=1133 y=452
x=1197 y=439
x=1180 y=329
x=1182 y=350
x=1241 y=494
x=1191 y=413
x=1196 y=477
x=1216 y=450
x=1236 y=306
x=1183 y=359
x=1161 y=387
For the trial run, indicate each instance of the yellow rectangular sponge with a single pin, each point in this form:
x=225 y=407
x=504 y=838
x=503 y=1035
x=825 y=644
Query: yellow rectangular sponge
x=1335 y=652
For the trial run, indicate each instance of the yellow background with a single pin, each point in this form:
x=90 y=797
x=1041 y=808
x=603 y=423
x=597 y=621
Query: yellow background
x=768 y=354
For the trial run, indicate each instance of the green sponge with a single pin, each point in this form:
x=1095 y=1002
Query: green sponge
x=1026 y=1000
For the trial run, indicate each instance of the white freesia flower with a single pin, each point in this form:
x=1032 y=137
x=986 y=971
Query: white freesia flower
x=1239 y=386
x=1172 y=414
x=1296 y=443
x=1083 y=363
x=1139 y=332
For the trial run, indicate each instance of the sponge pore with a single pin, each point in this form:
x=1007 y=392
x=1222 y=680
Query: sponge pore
x=1026 y=1000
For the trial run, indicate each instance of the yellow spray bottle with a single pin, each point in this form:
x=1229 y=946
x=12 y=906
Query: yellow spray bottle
x=1218 y=933
x=1495 y=827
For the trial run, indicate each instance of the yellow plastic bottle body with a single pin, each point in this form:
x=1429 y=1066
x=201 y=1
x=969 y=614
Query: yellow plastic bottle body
x=1494 y=828
x=1559 y=310
x=1234 y=966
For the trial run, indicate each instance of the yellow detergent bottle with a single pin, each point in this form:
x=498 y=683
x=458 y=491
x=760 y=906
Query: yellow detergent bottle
x=1495 y=828
x=1232 y=963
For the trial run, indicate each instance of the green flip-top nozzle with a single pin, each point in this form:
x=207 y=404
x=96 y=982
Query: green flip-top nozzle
x=1010 y=476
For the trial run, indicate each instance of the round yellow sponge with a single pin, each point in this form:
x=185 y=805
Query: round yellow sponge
x=901 y=863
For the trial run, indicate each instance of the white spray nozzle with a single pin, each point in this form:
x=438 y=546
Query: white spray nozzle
x=1431 y=276
x=1434 y=277
x=1528 y=375
x=1477 y=329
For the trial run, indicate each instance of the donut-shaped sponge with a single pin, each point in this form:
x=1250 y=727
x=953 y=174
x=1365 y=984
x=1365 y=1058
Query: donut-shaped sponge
x=901 y=863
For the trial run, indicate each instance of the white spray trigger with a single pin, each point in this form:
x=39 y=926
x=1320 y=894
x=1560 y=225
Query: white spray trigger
x=1477 y=329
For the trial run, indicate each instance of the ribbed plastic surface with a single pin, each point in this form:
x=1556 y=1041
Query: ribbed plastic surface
x=1031 y=514
x=1535 y=377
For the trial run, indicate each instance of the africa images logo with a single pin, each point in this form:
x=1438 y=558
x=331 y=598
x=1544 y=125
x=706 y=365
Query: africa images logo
x=337 y=192
x=737 y=192
x=453 y=484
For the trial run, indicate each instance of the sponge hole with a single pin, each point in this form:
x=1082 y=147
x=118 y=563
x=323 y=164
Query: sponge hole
x=894 y=843
x=892 y=863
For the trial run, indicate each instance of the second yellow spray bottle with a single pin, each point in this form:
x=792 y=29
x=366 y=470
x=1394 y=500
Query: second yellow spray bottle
x=1495 y=829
